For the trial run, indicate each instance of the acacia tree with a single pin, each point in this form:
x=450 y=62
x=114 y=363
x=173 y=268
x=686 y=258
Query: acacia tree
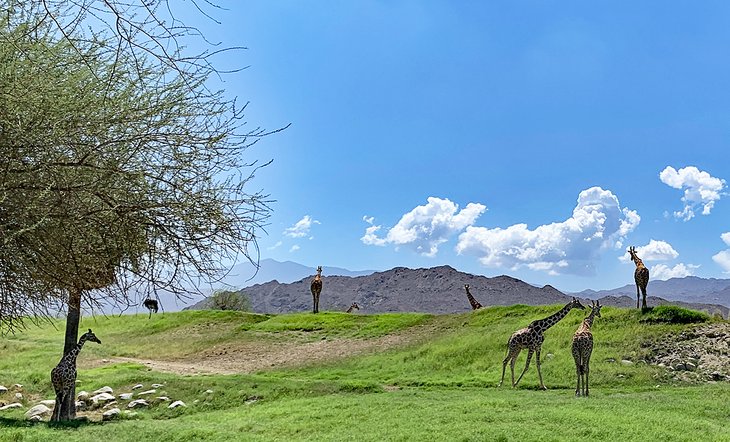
x=122 y=174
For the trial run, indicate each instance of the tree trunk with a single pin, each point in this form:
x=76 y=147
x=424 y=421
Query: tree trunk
x=73 y=318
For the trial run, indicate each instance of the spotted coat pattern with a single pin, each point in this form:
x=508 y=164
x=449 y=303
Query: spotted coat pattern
x=474 y=303
x=63 y=376
x=641 y=277
x=582 y=349
x=531 y=338
x=316 y=289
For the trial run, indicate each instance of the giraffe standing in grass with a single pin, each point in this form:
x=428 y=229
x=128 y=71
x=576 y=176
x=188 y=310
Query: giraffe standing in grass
x=316 y=288
x=353 y=307
x=532 y=338
x=475 y=305
x=63 y=376
x=641 y=277
x=583 y=347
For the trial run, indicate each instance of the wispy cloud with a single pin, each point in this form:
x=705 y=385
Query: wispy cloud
x=654 y=251
x=275 y=246
x=700 y=189
x=723 y=258
x=294 y=248
x=571 y=246
x=426 y=227
x=301 y=228
x=664 y=272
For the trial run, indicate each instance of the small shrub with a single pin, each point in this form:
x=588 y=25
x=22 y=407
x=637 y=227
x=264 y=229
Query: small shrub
x=228 y=300
x=674 y=315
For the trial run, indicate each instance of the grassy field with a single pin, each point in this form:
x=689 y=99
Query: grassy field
x=416 y=377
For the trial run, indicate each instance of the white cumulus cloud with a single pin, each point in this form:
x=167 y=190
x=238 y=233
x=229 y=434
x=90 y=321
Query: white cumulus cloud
x=664 y=272
x=723 y=258
x=700 y=189
x=571 y=246
x=294 y=248
x=425 y=227
x=654 y=251
x=301 y=228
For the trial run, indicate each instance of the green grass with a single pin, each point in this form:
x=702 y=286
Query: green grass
x=441 y=385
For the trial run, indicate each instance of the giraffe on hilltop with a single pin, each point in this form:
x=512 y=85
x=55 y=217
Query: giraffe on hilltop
x=63 y=376
x=475 y=305
x=531 y=338
x=316 y=289
x=641 y=277
x=583 y=347
x=353 y=307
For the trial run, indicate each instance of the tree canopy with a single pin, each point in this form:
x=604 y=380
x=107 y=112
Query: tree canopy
x=121 y=172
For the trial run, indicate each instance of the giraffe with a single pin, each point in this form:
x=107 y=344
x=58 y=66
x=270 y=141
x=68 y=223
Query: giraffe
x=532 y=338
x=474 y=303
x=63 y=376
x=152 y=305
x=583 y=347
x=316 y=289
x=641 y=277
x=353 y=307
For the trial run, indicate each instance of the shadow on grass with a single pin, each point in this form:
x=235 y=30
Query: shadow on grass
x=24 y=423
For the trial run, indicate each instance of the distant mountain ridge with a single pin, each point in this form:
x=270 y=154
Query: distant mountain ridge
x=431 y=290
x=690 y=289
x=245 y=274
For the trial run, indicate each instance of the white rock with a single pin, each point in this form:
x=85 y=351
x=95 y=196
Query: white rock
x=162 y=399
x=208 y=391
x=11 y=406
x=83 y=396
x=80 y=405
x=103 y=397
x=105 y=389
x=3 y=389
x=38 y=410
x=626 y=362
x=110 y=414
x=137 y=387
x=145 y=393
x=36 y=418
x=19 y=396
x=18 y=386
x=129 y=413
x=138 y=403
x=157 y=385
x=177 y=404
x=49 y=402
x=126 y=396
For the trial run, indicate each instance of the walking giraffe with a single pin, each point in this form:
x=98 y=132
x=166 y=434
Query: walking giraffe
x=531 y=338
x=474 y=303
x=583 y=347
x=63 y=376
x=316 y=288
x=641 y=277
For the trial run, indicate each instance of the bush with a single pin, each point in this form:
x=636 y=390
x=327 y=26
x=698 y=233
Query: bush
x=675 y=315
x=228 y=300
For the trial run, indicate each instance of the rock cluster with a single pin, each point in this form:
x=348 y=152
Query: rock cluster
x=101 y=399
x=701 y=354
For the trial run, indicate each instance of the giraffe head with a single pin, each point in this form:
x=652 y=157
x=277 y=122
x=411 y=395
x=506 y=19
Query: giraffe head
x=354 y=306
x=575 y=303
x=319 y=269
x=90 y=336
x=632 y=253
x=466 y=286
x=596 y=308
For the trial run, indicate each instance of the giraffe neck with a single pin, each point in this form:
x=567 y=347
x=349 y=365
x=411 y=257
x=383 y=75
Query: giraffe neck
x=71 y=356
x=589 y=320
x=544 y=324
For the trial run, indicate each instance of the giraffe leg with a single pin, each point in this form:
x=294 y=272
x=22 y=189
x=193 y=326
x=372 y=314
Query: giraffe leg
x=586 y=369
x=509 y=357
x=637 y=295
x=57 y=408
x=643 y=299
x=577 y=374
x=539 y=371
x=527 y=365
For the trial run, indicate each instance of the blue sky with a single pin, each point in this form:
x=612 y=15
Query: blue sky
x=534 y=139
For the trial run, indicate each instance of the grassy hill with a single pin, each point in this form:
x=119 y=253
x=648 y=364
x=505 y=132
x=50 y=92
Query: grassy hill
x=335 y=376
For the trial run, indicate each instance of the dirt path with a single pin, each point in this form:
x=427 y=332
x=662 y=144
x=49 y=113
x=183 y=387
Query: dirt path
x=251 y=357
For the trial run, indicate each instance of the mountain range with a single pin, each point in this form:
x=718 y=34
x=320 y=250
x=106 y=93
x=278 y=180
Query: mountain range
x=434 y=290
